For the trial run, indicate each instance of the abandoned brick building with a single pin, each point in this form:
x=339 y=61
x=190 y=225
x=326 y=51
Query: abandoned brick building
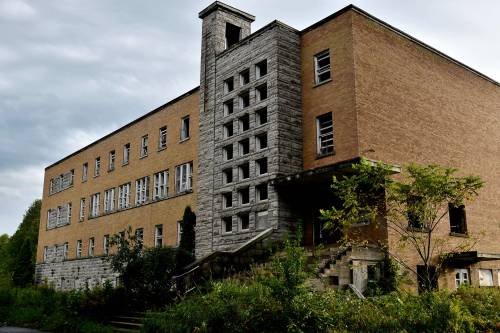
x=253 y=148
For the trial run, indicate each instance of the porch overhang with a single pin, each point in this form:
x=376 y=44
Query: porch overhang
x=470 y=257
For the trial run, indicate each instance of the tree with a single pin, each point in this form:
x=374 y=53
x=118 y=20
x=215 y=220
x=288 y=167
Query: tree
x=4 y=261
x=413 y=207
x=22 y=247
x=185 y=254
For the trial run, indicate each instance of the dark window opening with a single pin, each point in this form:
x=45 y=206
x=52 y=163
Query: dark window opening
x=244 y=122
x=244 y=147
x=414 y=208
x=261 y=116
x=261 y=166
x=244 y=170
x=244 y=77
x=233 y=34
x=244 y=221
x=228 y=85
x=228 y=130
x=262 y=192
x=227 y=176
x=427 y=278
x=228 y=152
x=261 y=92
x=244 y=195
x=261 y=69
x=244 y=100
x=227 y=199
x=261 y=141
x=228 y=107
x=227 y=224
x=458 y=221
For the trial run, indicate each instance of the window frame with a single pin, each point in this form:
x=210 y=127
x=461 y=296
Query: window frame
x=184 y=177
x=97 y=166
x=142 y=191
x=143 y=152
x=318 y=71
x=81 y=216
x=320 y=137
x=160 y=185
x=126 y=154
x=158 y=236
x=185 y=128
x=111 y=160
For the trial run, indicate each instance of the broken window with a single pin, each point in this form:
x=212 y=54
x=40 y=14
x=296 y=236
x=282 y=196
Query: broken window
x=228 y=107
x=244 y=123
x=109 y=200
x=244 y=195
x=227 y=200
x=184 y=177
x=244 y=100
x=85 y=171
x=228 y=152
x=228 y=85
x=228 y=130
x=261 y=165
x=123 y=196
x=112 y=158
x=94 y=205
x=162 y=141
x=126 y=153
x=97 y=167
x=461 y=277
x=261 y=92
x=159 y=235
x=458 y=222
x=141 y=190
x=261 y=116
x=82 y=210
x=244 y=77
x=324 y=131
x=185 y=128
x=322 y=67
x=233 y=34
x=485 y=278
x=260 y=69
x=160 y=185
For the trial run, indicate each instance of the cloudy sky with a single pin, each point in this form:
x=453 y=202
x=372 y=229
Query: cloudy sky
x=72 y=71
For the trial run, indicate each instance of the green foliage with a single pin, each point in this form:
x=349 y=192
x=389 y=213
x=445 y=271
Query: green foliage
x=422 y=196
x=145 y=273
x=22 y=247
x=5 y=278
x=185 y=254
x=48 y=310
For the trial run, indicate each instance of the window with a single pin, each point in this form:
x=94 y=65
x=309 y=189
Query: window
x=228 y=107
x=141 y=190
x=161 y=185
x=244 y=195
x=227 y=176
x=82 y=210
x=485 y=278
x=461 y=277
x=261 y=141
x=262 y=220
x=106 y=245
x=228 y=130
x=324 y=131
x=261 y=92
x=227 y=200
x=139 y=235
x=414 y=206
x=260 y=69
x=227 y=152
x=123 y=196
x=109 y=200
x=179 y=232
x=61 y=182
x=159 y=235
x=227 y=224
x=97 y=168
x=162 y=140
x=322 y=67
x=244 y=77
x=244 y=99
x=262 y=192
x=261 y=116
x=244 y=171
x=184 y=177
x=458 y=222
x=126 y=153
x=228 y=85
x=79 y=246
x=244 y=123
x=261 y=165
x=94 y=205
x=244 y=147
x=233 y=34
x=85 y=172
x=423 y=275
x=65 y=251
x=45 y=253
x=144 y=146
x=112 y=158
x=244 y=221
x=185 y=128
x=91 y=247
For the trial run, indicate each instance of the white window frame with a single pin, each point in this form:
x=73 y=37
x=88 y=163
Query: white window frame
x=91 y=249
x=65 y=251
x=105 y=245
x=227 y=109
x=82 y=210
x=162 y=139
x=126 y=153
x=45 y=253
x=258 y=69
x=462 y=276
x=97 y=166
x=324 y=135
x=227 y=200
x=124 y=196
x=179 y=232
x=85 y=171
x=318 y=71
x=160 y=185
x=159 y=235
x=240 y=222
x=224 y=152
x=109 y=200
x=79 y=248
x=144 y=146
x=242 y=77
x=185 y=128
x=184 y=177
x=94 y=204
x=112 y=160
x=141 y=190
x=485 y=277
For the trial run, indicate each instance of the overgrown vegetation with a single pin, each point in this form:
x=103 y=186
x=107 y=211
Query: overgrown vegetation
x=413 y=206
x=185 y=254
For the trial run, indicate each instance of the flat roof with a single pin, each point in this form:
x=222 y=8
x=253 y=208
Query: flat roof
x=173 y=101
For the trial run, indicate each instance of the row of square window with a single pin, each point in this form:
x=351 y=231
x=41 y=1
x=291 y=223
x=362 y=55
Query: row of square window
x=183 y=183
x=261 y=194
x=243 y=219
x=139 y=234
x=244 y=123
x=261 y=168
x=244 y=76
x=244 y=146
x=244 y=99
x=66 y=180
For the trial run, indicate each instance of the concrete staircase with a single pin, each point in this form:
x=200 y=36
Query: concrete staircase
x=127 y=323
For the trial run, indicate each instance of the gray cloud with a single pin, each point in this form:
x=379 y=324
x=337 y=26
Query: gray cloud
x=72 y=71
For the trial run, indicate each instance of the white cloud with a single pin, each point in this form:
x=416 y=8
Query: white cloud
x=16 y=10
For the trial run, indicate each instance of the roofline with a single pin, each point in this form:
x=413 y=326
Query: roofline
x=217 y=4
x=150 y=113
x=402 y=34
